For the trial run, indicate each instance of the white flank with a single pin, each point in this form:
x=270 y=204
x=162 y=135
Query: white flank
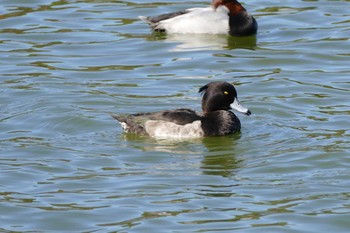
x=199 y=20
x=164 y=129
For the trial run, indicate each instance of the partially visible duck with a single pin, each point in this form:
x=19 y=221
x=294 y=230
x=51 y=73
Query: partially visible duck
x=215 y=120
x=223 y=16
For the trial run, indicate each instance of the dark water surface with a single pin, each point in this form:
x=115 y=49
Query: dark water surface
x=66 y=165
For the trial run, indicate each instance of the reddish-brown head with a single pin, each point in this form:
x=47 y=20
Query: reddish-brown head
x=233 y=6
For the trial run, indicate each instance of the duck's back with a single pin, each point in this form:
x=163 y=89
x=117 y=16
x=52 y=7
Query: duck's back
x=197 y=20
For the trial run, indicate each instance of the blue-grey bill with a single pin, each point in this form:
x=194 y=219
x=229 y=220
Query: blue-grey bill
x=240 y=108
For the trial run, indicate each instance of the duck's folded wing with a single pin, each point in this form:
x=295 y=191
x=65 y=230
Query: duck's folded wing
x=154 y=21
x=178 y=116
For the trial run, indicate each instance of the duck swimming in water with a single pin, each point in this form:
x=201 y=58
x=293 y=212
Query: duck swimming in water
x=215 y=120
x=222 y=17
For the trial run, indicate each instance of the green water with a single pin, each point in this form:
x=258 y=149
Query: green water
x=66 y=166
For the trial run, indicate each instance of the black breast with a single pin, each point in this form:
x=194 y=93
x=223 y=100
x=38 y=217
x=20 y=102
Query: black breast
x=242 y=24
x=220 y=123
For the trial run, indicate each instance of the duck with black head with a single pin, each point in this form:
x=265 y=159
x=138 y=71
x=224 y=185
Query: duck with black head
x=222 y=17
x=216 y=119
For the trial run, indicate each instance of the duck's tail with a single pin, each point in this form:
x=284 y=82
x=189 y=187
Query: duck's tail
x=122 y=120
x=147 y=20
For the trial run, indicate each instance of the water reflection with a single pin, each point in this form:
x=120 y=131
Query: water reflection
x=172 y=146
x=220 y=158
x=205 y=41
x=217 y=157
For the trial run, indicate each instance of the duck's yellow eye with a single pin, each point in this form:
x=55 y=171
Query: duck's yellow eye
x=225 y=92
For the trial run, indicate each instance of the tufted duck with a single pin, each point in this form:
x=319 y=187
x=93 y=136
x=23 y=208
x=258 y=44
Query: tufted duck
x=215 y=120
